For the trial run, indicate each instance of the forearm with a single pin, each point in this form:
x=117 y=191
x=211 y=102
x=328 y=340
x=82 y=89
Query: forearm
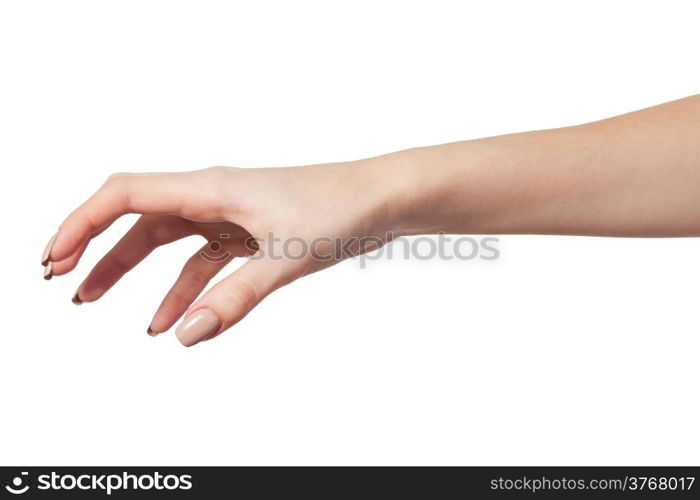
x=632 y=175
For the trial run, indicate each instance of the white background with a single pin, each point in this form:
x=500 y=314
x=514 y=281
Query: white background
x=567 y=350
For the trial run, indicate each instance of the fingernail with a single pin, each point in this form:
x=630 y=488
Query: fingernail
x=151 y=332
x=198 y=326
x=47 y=251
x=76 y=299
x=47 y=271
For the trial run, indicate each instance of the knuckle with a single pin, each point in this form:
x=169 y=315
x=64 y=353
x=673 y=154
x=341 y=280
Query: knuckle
x=215 y=185
x=216 y=168
x=117 y=264
x=116 y=178
x=157 y=235
x=219 y=177
x=241 y=291
x=181 y=296
x=219 y=173
x=153 y=237
x=195 y=278
x=115 y=185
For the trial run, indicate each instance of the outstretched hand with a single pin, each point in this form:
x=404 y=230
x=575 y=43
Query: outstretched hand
x=296 y=212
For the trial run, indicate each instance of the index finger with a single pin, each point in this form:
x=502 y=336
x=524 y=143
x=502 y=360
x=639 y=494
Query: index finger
x=183 y=193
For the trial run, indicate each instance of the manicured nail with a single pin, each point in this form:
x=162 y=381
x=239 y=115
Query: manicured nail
x=47 y=250
x=76 y=299
x=197 y=326
x=47 y=271
x=151 y=332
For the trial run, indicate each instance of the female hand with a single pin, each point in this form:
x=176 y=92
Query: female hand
x=290 y=218
x=633 y=175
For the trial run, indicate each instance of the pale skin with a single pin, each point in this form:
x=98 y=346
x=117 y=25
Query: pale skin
x=633 y=175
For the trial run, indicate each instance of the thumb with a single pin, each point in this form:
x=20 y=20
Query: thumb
x=227 y=302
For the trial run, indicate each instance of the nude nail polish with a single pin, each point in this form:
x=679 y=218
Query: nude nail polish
x=47 y=250
x=197 y=326
x=47 y=271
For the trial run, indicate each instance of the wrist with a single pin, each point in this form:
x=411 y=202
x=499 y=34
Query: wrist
x=486 y=186
x=429 y=190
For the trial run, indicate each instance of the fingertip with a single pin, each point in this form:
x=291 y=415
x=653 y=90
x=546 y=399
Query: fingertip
x=156 y=328
x=47 y=251
x=199 y=325
x=62 y=267
x=48 y=274
x=163 y=320
x=64 y=245
x=73 y=233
